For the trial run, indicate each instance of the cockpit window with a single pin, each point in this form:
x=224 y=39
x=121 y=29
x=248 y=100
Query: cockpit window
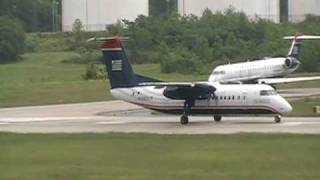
x=268 y=92
x=218 y=72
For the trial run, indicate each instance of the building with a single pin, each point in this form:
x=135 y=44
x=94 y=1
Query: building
x=268 y=9
x=298 y=9
x=274 y=10
x=97 y=14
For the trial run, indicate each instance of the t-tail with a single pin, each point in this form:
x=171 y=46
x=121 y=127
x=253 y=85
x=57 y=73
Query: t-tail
x=292 y=61
x=295 y=48
x=120 y=72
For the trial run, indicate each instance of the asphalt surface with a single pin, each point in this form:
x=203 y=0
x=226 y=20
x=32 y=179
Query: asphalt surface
x=119 y=116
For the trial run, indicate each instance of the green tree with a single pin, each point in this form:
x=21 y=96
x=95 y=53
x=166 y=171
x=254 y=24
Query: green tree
x=11 y=39
x=35 y=15
x=196 y=44
x=77 y=41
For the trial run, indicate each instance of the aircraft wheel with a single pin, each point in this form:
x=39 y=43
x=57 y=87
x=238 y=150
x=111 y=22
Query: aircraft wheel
x=217 y=118
x=184 y=119
x=277 y=119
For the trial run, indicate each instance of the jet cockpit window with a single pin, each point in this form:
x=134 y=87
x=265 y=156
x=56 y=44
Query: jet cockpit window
x=219 y=72
x=267 y=92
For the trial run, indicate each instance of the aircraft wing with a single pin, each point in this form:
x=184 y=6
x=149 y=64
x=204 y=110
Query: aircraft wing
x=286 y=80
x=185 y=90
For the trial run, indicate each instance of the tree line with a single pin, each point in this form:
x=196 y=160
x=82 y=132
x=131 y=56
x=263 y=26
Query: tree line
x=190 y=44
x=194 y=44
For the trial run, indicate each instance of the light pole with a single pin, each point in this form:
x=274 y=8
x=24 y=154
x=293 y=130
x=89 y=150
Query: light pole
x=168 y=6
x=57 y=15
x=54 y=15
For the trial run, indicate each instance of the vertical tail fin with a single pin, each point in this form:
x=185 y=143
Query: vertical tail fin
x=119 y=70
x=296 y=45
x=295 y=48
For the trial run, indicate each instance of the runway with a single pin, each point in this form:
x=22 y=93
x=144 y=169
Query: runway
x=119 y=116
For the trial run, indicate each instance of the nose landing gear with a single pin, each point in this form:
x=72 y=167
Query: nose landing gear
x=277 y=119
x=184 y=119
x=217 y=118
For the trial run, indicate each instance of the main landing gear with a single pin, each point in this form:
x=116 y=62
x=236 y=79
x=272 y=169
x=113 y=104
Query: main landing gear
x=217 y=118
x=186 y=110
x=277 y=119
x=184 y=119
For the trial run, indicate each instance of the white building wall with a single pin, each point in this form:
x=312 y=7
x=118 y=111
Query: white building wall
x=268 y=9
x=96 y=14
x=298 y=9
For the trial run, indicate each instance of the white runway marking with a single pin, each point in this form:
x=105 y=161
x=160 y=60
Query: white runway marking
x=292 y=123
x=111 y=122
x=4 y=123
x=39 y=119
x=298 y=123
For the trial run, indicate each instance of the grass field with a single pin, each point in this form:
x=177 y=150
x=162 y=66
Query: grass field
x=41 y=78
x=140 y=156
x=304 y=107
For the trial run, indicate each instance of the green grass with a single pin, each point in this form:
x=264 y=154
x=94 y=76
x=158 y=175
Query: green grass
x=140 y=156
x=41 y=78
x=304 y=84
x=304 y=107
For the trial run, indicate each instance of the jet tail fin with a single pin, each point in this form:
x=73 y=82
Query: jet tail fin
x=295 y=48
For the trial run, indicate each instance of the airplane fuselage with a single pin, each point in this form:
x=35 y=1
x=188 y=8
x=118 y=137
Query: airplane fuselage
x=252 y=71
x=228 y=99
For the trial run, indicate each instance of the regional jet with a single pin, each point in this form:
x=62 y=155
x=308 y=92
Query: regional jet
x=267 y=71
x=187 y=98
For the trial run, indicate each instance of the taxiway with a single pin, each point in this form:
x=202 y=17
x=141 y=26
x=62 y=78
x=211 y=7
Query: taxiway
x=119 y=116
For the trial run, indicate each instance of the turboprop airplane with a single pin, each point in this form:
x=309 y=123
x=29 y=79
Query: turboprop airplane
x=186 y=98
x=267 y=71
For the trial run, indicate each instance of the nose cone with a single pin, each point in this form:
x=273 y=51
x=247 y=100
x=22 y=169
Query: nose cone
x=284 y=106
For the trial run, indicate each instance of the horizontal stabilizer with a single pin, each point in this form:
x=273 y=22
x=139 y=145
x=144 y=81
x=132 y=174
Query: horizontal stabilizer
x=302 y=37
x=287 y=80
x=102 y=39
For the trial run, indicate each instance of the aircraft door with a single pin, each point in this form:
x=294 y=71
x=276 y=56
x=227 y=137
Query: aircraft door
x=244 y=98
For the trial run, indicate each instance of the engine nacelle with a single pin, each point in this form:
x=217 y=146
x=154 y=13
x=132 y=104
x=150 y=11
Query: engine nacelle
x=291 y=63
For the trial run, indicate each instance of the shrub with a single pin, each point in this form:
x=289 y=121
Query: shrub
x=11 y=39
x=94 y=72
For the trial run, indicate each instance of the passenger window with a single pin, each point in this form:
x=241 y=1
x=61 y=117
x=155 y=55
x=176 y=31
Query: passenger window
x=267 y=92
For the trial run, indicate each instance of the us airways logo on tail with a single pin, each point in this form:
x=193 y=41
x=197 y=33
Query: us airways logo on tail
x=117 y=65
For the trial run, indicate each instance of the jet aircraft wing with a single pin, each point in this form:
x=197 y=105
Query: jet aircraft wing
x=286 y=80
